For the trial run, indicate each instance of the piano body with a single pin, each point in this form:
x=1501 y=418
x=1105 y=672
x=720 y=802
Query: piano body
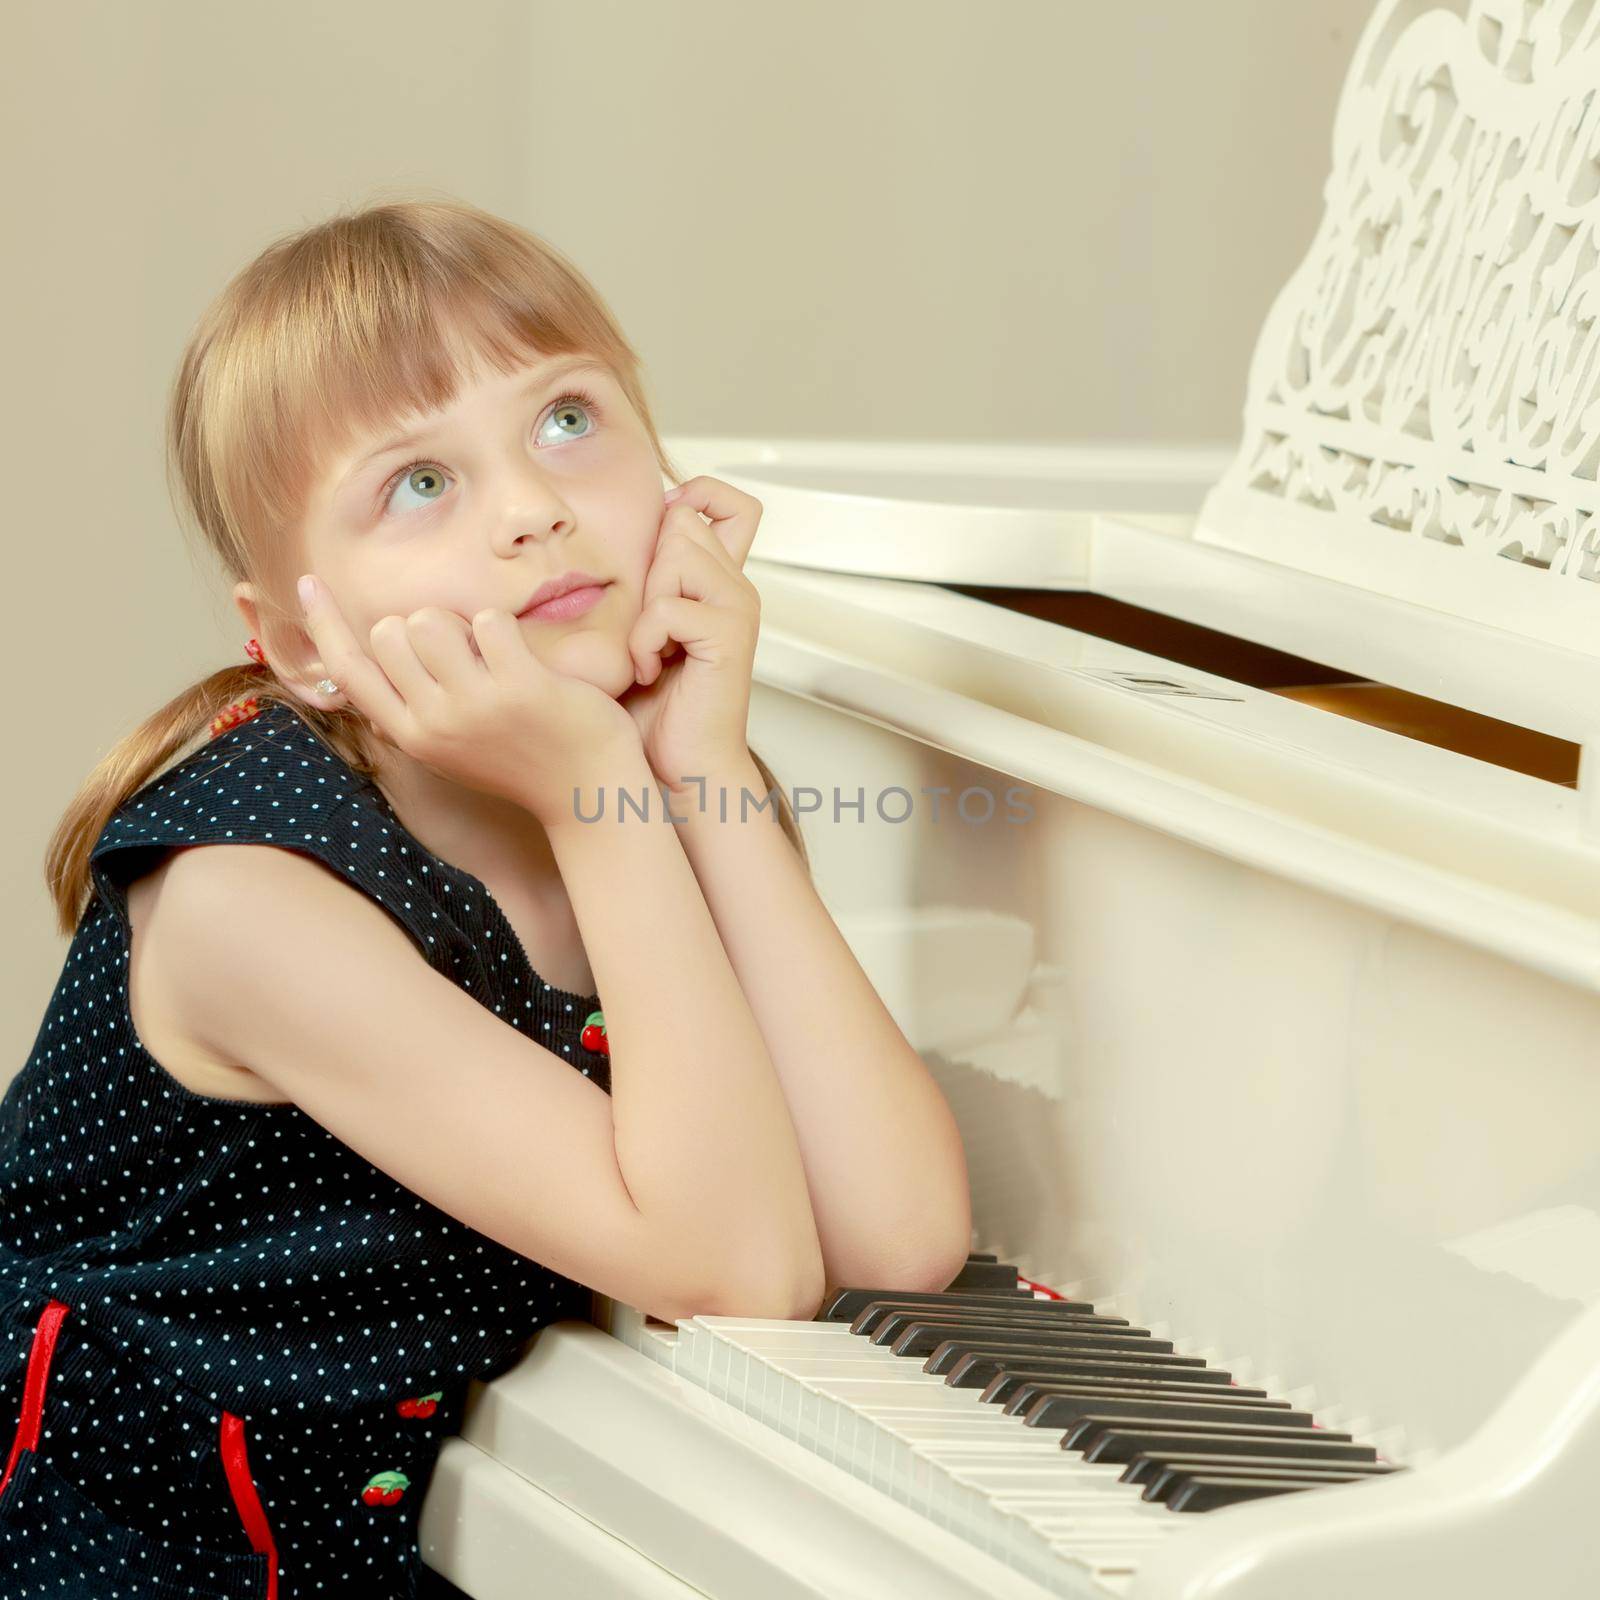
x=1224 y=831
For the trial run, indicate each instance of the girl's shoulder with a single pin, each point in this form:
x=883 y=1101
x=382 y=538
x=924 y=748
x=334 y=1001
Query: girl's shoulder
x=271 y=780
x=268 y=777
x=274 y=781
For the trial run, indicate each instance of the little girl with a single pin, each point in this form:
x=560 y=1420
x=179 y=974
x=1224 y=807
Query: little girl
x=347 y=1123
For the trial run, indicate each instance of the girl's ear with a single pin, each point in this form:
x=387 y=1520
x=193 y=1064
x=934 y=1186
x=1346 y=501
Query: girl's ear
x=244 y=597
x=291 y=657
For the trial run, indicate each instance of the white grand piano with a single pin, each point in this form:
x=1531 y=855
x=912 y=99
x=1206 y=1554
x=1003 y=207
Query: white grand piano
x=1255 y=946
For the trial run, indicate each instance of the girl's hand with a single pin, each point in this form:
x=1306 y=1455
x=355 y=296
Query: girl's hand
x=691 y=712
x=473 y=703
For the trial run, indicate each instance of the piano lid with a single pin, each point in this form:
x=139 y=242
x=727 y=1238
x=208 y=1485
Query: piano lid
x=1422 y=421
x=1423 y=411
x=951 y=511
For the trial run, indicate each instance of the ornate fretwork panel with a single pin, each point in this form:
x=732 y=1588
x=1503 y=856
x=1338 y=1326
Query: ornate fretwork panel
x=1423 y=414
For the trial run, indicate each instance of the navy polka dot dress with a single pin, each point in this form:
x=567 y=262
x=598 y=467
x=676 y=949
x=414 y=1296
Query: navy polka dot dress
x=231 y=1345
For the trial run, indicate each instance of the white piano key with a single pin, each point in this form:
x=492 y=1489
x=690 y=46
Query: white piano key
x=1074 y=1484
x=1103 y=1533
x=1004 y=1432
x=796 y=1336
x=1075 y=1475
x=878 y=1390
x=891 y=1369
x=944 y=1453
x=932 y=1398
x=1041 y=1509
x=977 y=1426
x=1138 y=1519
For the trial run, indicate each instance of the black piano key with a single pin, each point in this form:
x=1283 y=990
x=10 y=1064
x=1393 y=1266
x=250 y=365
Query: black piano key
x=848 y=1304
x=1083 y=1433
x=986 y=1275
x=1116 y=1443
x=1028 y=1313
x=981 y=1255
x=917 y=1338
x=967 y=1368
x=1164 y=1488
x=1062 y=1411
x=1207 y=1494
x=948 y=1350
x=1150 y=1464
x=882 y=1325
x=1017 y=1387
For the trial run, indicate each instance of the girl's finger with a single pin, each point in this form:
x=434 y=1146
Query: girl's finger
x=705 y=631
x=390 y=642
x=734 y=514
x=503 y=645
x=694 y=527
x=444 y=644
x=692 y=562
x=689 y=529
x=683 y=568
x=361 y=680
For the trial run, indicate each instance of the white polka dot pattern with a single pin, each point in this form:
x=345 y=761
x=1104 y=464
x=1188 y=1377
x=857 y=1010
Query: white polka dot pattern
x=226 y=1255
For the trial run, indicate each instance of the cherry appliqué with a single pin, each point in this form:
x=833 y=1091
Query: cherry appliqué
x=422 y=1405
x=593 y=1036
x=384 y=1488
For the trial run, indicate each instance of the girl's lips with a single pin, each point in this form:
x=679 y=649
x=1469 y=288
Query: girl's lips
x=572 y=604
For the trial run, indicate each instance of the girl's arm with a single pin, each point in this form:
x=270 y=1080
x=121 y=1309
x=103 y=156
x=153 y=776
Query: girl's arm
x=883 y=1154
x=702 y=1127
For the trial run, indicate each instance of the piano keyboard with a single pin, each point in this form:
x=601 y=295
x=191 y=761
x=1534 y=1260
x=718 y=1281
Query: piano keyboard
x=1045 y=1434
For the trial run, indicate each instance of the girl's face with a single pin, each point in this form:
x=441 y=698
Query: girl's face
x=522 y=479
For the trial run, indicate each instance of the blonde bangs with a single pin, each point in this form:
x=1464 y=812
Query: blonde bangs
x=359 y=328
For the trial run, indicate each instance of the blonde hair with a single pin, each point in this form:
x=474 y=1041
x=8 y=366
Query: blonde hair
x=335 y=330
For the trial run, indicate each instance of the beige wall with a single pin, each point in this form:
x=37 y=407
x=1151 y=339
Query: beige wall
x=869 y=218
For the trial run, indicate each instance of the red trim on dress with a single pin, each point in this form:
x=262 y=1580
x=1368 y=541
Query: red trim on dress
x=44 y=1344
x=245 y=1499
x=234 y=1460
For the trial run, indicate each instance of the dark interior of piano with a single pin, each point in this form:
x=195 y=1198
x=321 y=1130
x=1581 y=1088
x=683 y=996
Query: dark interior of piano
x=1437 y=722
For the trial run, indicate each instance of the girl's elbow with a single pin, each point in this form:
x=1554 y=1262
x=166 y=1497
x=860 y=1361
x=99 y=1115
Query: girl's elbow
x=792 y=1294
x=934 y=1269
x=791 y=1301
x=807 y=1302
x=934 y=1276
x=805 y=1297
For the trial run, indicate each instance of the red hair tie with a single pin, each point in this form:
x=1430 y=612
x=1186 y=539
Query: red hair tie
x=237 y=711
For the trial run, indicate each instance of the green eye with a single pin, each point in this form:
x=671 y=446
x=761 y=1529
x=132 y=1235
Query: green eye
x=427 y=479
x=571 y=404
